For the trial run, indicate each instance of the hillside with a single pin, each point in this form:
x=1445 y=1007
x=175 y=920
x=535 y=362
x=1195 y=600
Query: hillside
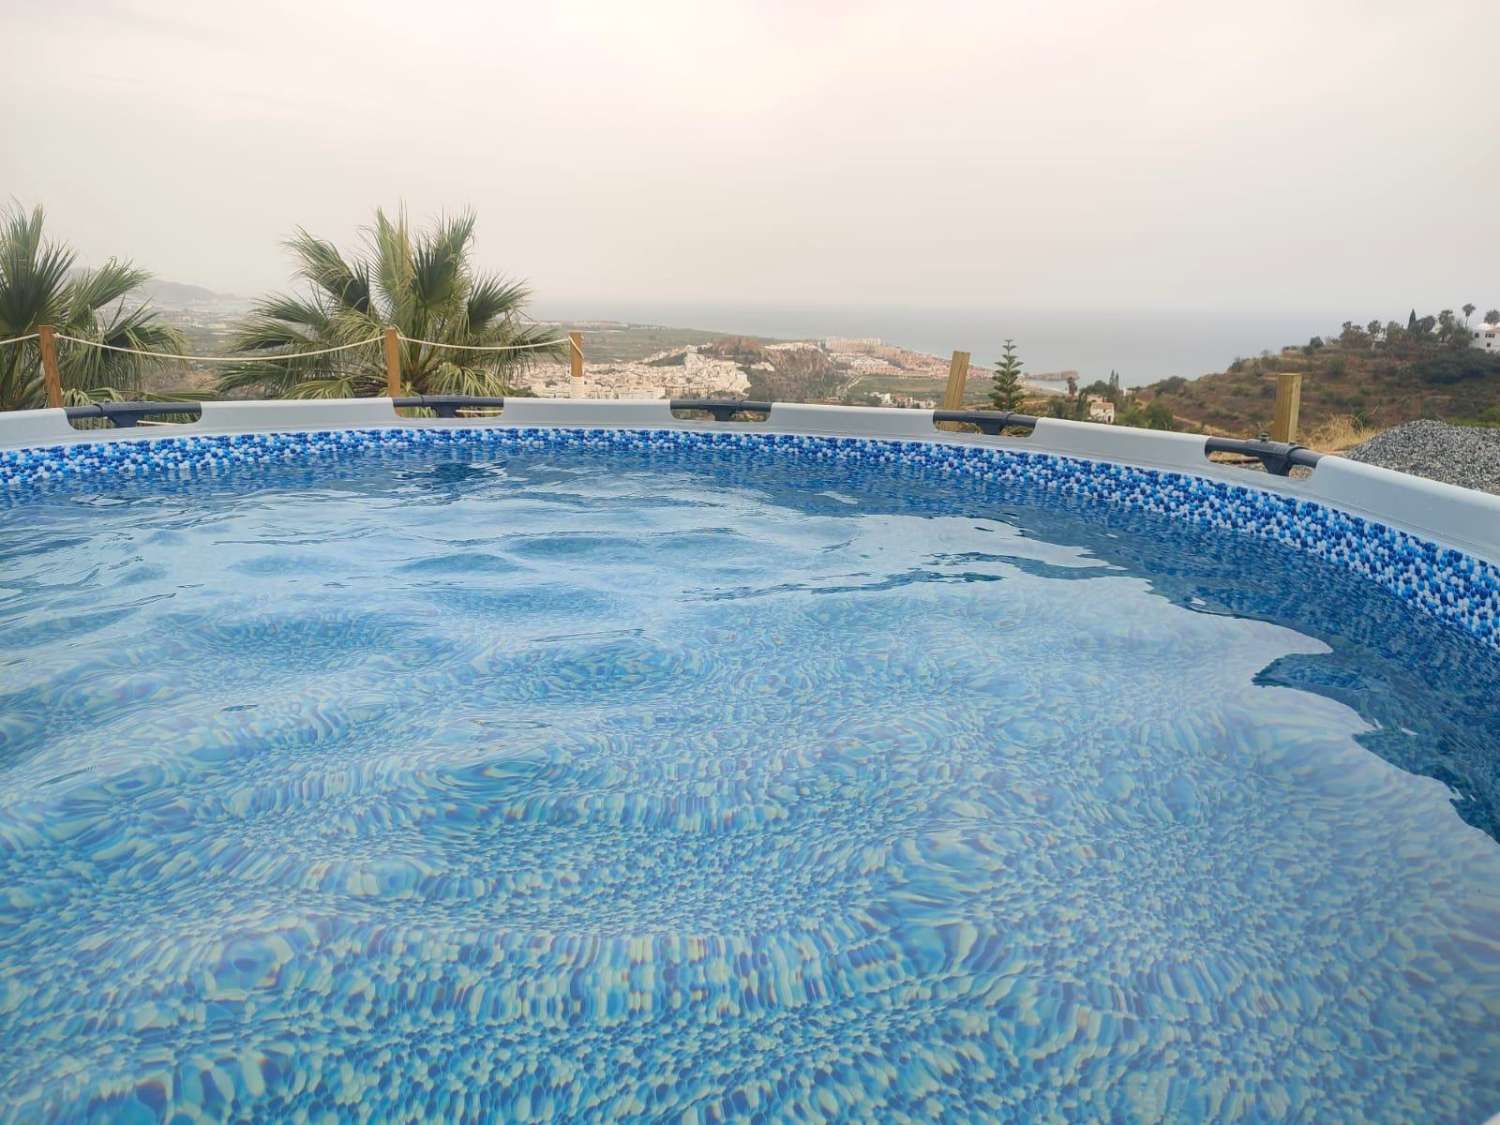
x=649 y=361
x=177 y=293
x=612 y=341
x=1377 y=376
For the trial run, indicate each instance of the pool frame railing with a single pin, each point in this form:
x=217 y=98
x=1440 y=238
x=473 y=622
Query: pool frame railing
x=1275 y=456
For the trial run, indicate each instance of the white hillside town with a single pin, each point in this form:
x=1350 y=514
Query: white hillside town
x=676 y=373
x=876 y=372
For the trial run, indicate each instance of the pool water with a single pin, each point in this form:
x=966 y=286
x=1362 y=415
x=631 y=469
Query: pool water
x=512 y=785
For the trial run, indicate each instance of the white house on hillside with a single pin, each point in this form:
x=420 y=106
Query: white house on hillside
x=1487 y=337
x=1101 y=410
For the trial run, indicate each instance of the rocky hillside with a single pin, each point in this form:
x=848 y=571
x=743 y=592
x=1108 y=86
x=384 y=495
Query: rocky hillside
x=1379 y=376
x=801 y=372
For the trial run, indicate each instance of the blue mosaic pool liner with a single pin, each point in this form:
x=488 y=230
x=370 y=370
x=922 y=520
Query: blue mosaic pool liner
x=1440 y=581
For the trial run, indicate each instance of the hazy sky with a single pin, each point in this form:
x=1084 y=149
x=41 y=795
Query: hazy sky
x=1198 y=154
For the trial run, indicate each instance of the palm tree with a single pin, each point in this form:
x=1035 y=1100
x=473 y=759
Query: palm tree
x=39 y=285
x=424 y=285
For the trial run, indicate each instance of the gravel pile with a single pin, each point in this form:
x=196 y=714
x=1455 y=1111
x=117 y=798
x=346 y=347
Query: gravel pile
x=1462 y=455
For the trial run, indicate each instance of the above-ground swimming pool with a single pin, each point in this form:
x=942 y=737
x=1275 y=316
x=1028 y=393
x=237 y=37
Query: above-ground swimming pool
x=521 y=774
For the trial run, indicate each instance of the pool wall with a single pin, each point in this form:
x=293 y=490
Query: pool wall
x=1449 y=516
x=1432 y=544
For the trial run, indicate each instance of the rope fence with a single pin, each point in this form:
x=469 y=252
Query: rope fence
x=47 y=336
x=482 y=347
x=1283 y=428
x=218 y=358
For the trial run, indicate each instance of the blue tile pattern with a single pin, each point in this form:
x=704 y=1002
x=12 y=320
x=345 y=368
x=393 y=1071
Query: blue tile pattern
x=1435 y=580
x=498 y=775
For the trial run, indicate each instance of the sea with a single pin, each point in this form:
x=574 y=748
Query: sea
x=1141 y=345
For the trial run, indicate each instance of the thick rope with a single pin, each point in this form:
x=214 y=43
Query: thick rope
x=304 y=355
x=20 y=339
x=221 y=358
x=486 y=347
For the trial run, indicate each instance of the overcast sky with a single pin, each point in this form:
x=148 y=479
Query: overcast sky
x=1196 y=154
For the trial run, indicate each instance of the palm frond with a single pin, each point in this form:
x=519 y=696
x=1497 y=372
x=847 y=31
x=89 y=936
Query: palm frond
x=391 y=267
x=20 y=377
x=327 y=387
x=78 y=396
x=37 y=286
x=439 y=264
x=493 y=298
x=261 y=333
x=90 y=369
x=183 y=395
x=33 y=274
x=307 y=313
x=450 y=378
x=264 y=378
x=140 y=329
x=22 y=229
x=91 y=290
x=530 y=333
x=423 y=284
x=453 y=237
x=321 y=263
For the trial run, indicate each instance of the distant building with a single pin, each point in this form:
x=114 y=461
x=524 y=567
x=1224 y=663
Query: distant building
x=1487 y=338
x=1101 y=410
x=852 y=343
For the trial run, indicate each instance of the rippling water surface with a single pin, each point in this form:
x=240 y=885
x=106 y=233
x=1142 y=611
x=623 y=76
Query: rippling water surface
x=560 y=784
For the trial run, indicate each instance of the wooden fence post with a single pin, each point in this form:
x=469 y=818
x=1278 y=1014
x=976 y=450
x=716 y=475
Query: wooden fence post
x=958 y=378
x=575 y=353
x=47 y=341
x=1288 y=406
x=392 y=363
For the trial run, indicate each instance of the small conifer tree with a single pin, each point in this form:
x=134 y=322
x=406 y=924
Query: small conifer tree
x=1006 y=392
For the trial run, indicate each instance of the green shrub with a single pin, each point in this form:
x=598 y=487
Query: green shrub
x=1455 y=366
